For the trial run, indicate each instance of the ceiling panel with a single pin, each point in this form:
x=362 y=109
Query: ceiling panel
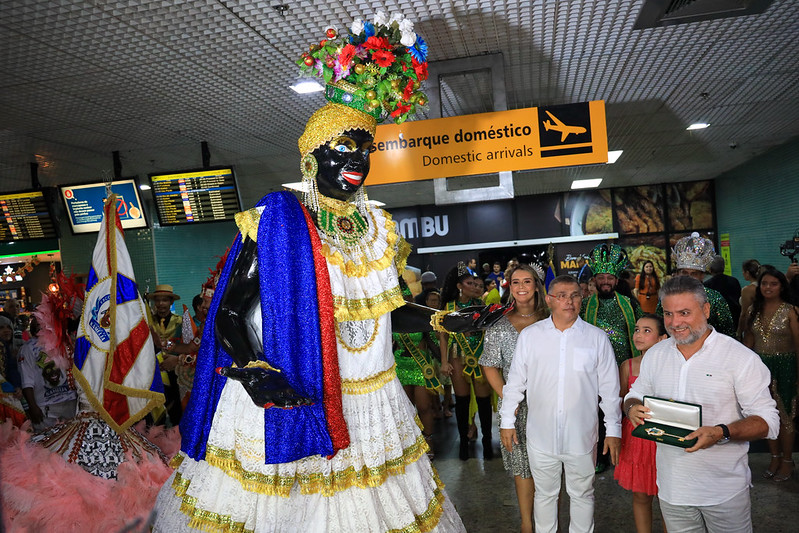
x=154 y=79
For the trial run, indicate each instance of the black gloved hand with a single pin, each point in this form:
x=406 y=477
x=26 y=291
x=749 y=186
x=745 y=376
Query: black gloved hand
x=475 y=317
x=267 y=388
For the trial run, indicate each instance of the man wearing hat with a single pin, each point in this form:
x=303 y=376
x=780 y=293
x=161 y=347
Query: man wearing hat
x=428 y=281
x=614 y=313
x=693 y=254
x=166 y=330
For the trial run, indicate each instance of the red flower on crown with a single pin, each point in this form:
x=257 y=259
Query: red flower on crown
x=383 y=58
x=346 y=55
x=377 y=43
x=401 y=108
x=406 y=94
x=420 y=69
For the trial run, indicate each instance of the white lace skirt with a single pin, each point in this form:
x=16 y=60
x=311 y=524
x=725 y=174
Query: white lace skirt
x=382 y=482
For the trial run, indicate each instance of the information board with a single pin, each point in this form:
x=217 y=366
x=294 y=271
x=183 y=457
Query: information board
x=466 y=145
x=188 y=197
x=24 y=215
x=84 y=204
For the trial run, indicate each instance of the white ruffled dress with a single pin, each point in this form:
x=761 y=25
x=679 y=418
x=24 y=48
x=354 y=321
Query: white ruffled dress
x=383 y=481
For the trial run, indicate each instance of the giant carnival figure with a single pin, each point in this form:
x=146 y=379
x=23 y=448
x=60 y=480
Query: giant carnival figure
x=297 y=421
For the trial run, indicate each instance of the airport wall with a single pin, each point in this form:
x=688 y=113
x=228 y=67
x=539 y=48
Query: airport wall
x=758 y=205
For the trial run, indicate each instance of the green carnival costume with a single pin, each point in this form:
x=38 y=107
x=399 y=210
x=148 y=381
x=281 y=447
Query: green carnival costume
x=468 y=346
x=615 y=315
x=415 y=365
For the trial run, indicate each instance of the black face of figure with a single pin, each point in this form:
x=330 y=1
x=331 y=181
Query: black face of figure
x=343 y=164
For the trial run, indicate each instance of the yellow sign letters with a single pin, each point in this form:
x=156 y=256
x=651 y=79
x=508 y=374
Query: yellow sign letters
x=520 y=139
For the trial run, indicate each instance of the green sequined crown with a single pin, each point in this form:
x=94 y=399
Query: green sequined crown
x=608 y=259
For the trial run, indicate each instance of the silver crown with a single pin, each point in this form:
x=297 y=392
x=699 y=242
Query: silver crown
x=539 y=270
x=694 y=252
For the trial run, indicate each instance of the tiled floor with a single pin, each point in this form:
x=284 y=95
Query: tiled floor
x=485 y=498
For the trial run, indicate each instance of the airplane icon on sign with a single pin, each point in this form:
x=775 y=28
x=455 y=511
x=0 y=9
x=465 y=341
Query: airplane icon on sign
x=561 y=127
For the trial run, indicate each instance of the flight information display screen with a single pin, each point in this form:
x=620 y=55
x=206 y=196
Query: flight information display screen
x=85 y=202
x=25 y=215
x=190 y=197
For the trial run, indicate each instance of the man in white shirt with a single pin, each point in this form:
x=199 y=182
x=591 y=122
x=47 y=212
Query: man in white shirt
x=705 y=487
x=563 y=364
x=50 y=395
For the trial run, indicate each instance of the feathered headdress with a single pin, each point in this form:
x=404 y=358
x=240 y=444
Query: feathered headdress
x=54 y=314
x=210 y=284
x=608 y=259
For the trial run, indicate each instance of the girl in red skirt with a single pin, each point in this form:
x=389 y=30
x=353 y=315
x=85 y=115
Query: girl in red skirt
x=636 y=469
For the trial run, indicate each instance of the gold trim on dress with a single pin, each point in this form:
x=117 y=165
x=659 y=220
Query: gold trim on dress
x=314 y=483
x=372 y=383
x=404 y=249
x=218 y=523
x=349 y=309
x=177 y=460
x=200 y=518
x=428 y=520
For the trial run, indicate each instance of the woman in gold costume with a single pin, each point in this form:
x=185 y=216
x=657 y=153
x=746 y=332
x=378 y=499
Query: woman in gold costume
x=772 y=330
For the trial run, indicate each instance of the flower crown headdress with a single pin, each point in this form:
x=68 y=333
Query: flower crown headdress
x=694 y=251
x=608 y=259
x=377 y=68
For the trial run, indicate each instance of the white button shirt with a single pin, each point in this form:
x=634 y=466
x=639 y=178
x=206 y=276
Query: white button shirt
x=730 y=382
x=563 y=373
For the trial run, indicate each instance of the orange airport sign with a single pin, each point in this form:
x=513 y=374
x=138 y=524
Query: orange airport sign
x=520 y=139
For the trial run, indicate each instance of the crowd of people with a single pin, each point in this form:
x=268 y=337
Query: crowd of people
x=603 y=335
x=555 y=349
x=311 y=406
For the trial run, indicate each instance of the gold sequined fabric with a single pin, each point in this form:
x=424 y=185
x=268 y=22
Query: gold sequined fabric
x=774 y=335
x=331 y=121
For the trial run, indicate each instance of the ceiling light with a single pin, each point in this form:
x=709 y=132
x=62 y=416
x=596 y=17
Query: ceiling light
x=586 y=184
x=144 y=187
x=697 y=126
x=296 y=186
x=307 y=86
x=614 y=156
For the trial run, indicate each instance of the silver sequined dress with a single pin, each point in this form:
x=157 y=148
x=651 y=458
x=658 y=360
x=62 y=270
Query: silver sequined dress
x=498 y=347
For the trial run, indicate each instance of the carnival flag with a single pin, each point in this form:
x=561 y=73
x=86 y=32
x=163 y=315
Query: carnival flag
x=550 y=275
x=115 y=362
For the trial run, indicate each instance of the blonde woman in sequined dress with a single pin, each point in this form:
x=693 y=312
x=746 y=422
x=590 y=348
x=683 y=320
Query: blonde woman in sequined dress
x=527 y=292
x=772 y=330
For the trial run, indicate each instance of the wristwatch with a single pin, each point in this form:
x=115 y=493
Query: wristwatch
x=726 y=431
